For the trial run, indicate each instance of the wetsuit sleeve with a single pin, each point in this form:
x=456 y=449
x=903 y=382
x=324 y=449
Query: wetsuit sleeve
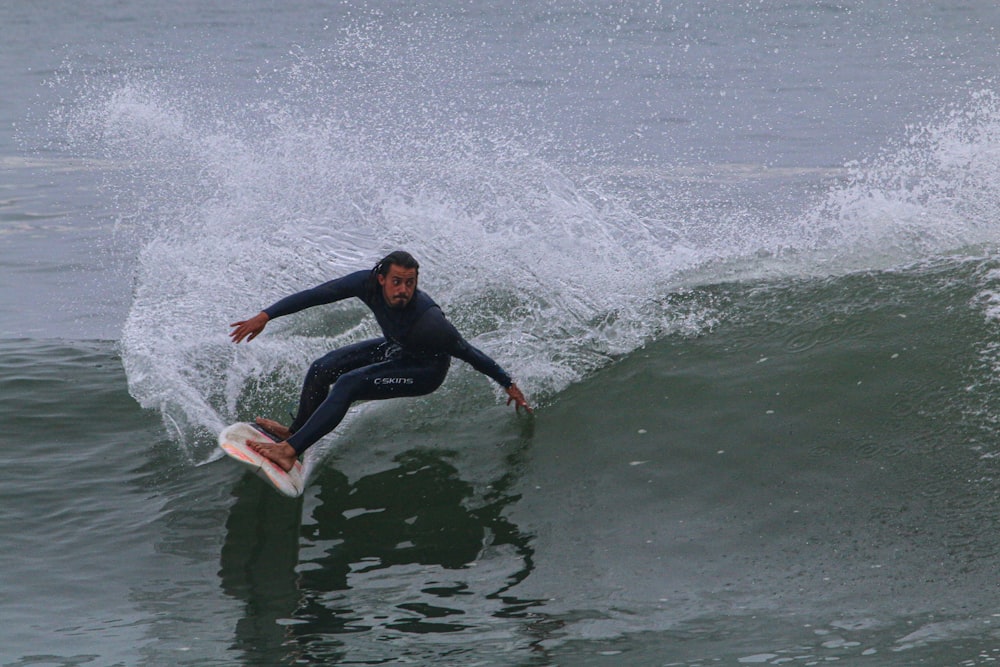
x=433 y=333
x=351 y=285
x=481 y=362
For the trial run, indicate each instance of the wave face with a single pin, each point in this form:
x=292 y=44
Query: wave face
x=554 y=269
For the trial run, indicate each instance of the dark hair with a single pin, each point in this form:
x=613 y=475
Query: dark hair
x=399 y=258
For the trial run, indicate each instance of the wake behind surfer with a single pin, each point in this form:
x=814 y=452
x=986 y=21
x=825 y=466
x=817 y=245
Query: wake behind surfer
x=410 y=359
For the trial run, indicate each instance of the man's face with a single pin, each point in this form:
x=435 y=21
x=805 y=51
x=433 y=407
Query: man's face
x=398 y=286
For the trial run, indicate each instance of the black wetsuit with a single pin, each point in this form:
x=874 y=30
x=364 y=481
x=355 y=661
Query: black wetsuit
x=411 y=360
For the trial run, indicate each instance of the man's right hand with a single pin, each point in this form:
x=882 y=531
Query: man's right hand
x=249 y=329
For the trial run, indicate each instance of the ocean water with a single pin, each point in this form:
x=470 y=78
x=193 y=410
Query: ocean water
x=743 y=257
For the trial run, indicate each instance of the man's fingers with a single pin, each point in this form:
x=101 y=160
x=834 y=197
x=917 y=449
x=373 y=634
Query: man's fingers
x=519 y=402
x=244 y=330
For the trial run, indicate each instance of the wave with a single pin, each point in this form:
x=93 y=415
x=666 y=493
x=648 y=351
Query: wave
x=555 y=270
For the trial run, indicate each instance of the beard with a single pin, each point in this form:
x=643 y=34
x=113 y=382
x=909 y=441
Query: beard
x=398 y=302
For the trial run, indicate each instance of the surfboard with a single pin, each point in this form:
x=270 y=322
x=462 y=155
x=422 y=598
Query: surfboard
x=233 y=440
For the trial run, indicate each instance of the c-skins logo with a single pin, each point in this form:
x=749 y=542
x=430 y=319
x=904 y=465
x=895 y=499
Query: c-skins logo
x=393 y=380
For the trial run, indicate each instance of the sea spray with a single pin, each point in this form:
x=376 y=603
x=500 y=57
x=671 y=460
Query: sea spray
x=938 y=193
x=549 y=278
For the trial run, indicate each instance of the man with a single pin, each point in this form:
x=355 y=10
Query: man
x=411 y=359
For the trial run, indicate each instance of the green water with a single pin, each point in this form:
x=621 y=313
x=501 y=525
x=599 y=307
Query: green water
x=812 y=479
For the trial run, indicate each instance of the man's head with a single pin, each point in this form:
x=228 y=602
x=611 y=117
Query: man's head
x=397 y=276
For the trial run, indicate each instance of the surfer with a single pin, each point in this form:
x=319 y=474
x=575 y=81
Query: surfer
x=411 y=358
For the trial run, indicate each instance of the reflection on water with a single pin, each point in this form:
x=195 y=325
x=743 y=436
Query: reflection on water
x=356 y=568
x=258 y=566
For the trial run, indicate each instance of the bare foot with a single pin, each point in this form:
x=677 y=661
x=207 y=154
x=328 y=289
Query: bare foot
x=274 y=428
x=281 y=453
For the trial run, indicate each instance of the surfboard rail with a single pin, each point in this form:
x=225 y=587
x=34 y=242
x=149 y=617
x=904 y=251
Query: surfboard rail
x=233 y=441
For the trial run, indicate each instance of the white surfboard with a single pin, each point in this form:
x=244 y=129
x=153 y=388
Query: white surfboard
x=233 y=441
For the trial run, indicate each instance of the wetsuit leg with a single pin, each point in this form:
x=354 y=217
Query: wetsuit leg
x=396 y=378
x=325 y=371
